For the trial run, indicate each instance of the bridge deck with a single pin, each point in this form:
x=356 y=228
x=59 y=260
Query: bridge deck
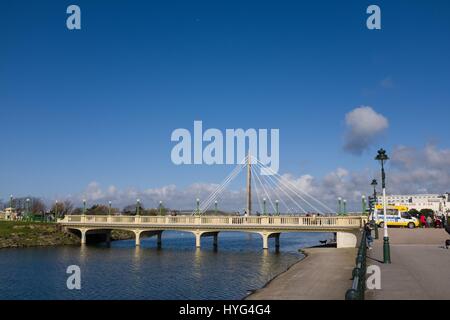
x=267 y=226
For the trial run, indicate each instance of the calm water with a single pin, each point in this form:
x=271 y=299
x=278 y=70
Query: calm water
x=177 y=271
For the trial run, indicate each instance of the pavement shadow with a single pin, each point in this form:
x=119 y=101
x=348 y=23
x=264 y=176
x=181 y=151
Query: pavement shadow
x=373 y=259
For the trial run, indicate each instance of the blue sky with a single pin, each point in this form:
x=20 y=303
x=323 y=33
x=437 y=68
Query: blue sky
x=99 y=104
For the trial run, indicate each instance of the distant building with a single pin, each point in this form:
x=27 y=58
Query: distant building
x=8 y=214
x=435 y=202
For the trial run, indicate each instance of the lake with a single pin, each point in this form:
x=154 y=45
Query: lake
x=176 y=271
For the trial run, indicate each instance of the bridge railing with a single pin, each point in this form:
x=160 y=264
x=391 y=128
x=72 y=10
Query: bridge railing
x=356 y=221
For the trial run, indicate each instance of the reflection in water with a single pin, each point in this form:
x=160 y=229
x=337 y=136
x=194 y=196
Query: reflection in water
x=178 y=271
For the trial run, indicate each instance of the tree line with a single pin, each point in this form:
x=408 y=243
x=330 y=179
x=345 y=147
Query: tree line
x=36 y=206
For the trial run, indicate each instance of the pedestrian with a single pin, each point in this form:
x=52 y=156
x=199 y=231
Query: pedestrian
x=369 y=238
x=429 y=221
x=423 y=221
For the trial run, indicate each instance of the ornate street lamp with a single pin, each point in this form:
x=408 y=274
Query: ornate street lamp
x=215 y=207
x=198 y=206
x=84 y=207
x=339 y=206
x=160 y=208
x=363 y=204
x=109 y=208
x=382 y=157
x=374 y=209
x=56 y=210
x=277 y=207
x=344 y=202
x=28 y=208
x=138 y=206
x=264 y=207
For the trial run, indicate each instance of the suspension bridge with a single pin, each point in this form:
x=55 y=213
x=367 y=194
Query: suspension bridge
x=272 y=192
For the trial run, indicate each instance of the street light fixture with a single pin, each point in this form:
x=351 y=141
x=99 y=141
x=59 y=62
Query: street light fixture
x=363 y=203
x=382 y=157
x=264 y=207
x=160 y=208
x=56 y=210
x=109 y=208
x=138 y=206
x=277 y=207
x=198 y=206
x=374 y=208
x=345 y=206
x=84 y=207
x=215 y=207
x=339 y=206
x=28 y=208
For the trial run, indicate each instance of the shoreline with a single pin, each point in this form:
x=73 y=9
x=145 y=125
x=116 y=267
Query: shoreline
x=311 y=288
x=305 y=256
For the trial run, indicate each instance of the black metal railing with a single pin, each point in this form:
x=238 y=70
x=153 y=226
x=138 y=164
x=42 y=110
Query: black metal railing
x=359 y=272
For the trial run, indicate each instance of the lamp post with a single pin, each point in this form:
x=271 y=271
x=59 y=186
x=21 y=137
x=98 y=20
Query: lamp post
x=138 y=206
x=215 y=207
x=198 y=206
x=382 y=157
x=84 y=207
x=56 y=210
x=344 y=202
x=11 y=201
x=27 y=210
x=277 y=207
x=160 y=208
x=363 y=204
x=339 y=206
x=374 y=209
x=109 y=208
x=264 y=206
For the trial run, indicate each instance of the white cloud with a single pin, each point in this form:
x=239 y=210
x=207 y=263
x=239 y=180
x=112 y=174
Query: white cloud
x=363 y=126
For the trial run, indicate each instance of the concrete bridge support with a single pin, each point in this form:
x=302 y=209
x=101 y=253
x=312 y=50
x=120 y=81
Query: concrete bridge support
x=200 y=234
x=266 y=236
x=83 y=236
x=143 y=233
x=347 y=239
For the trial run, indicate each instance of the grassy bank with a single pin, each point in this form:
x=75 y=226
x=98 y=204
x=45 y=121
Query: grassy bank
x=15 y=234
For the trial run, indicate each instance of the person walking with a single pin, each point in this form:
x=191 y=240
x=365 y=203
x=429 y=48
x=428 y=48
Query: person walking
x=429 y=221
x=423 y=221
x=369 y=237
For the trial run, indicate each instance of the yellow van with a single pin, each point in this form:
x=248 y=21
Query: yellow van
x=397 y=216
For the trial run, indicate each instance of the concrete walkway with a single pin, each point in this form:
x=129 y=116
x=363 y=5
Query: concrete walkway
x=323 y=275
x=420 y=267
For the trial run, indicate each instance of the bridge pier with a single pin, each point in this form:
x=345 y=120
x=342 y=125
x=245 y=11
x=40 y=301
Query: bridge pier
x=83 y=236
x=346 y=239
x=277 y=242
x=108 y=238
x=200 y=234
x=266 y=236
x=151 y=233
x=159 y=240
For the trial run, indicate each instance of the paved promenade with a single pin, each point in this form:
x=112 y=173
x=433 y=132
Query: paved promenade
x=323 y=275
x=419 y=269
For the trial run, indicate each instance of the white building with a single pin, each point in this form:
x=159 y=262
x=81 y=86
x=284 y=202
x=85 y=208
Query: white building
x=437 y=202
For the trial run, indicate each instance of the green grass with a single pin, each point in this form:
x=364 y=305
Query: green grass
x=25 y=234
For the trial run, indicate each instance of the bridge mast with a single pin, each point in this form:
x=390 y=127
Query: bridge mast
x=249 y=185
